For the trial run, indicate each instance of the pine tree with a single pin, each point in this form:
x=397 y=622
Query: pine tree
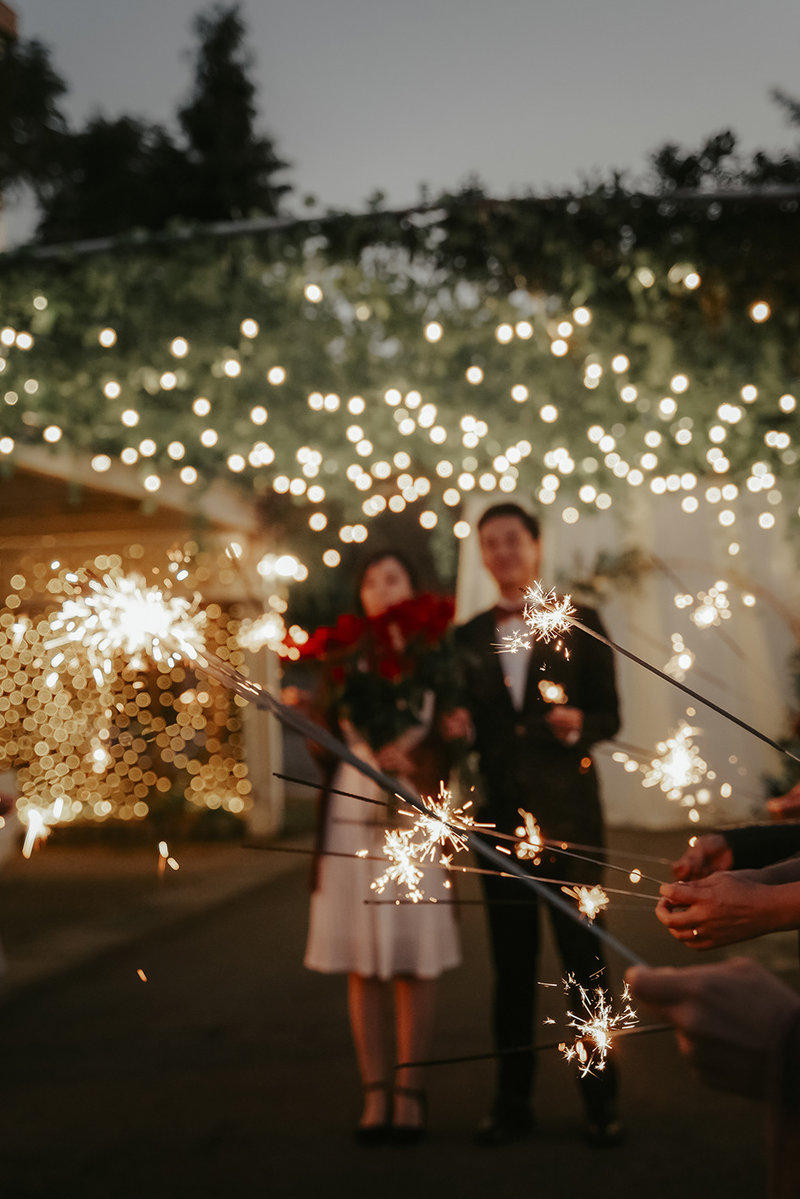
x=32 y=128
x=231 y=168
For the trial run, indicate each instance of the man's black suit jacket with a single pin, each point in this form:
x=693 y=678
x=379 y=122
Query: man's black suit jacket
x=521 y=763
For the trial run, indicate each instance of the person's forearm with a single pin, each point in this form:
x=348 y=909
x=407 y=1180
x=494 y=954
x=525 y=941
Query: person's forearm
x=787 y=871
x=781 y=909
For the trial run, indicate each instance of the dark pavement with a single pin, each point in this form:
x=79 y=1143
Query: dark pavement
x=229 y=1072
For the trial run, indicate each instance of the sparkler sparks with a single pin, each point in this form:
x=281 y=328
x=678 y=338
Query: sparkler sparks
x=677 y=764
x=681 y=661
x=512 y=643
x=442 y=825
x=591 y=900
x=401 y=851
x=38 y=822
x=547 y=616
x=122 y=613
x=593 y=1029
x=531 y=842
x=265 y=630
x=713 y=606
x=552 y=693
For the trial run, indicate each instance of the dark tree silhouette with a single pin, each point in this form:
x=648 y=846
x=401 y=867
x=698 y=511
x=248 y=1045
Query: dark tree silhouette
x=231 y=167
x=711 y=165
x=116 y=175
x=33 y=130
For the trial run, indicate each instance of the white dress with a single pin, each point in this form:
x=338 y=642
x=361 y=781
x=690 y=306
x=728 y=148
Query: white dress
x=376 y=940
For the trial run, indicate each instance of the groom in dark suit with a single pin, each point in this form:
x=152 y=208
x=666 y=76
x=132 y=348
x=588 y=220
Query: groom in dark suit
x=535 y=715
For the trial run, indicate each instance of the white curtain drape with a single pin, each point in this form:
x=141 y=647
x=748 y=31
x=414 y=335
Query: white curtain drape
x=743 y=665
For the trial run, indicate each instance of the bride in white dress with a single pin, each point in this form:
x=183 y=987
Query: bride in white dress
x=389 y=952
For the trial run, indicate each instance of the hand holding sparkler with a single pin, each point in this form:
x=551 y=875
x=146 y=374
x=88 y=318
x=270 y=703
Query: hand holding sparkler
x=566 y=724
x=706 y=855
x=550 y=618
x=731 y=1018
x=787 y=806
x=726 y=908
x=456 y=725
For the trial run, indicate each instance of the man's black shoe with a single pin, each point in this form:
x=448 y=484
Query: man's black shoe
x=605 y=1134
x=503 y=1128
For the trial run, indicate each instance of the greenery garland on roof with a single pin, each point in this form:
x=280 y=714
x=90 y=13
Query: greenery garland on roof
x=545 y=346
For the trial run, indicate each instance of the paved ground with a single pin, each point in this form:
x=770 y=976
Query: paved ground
x=229 y=1071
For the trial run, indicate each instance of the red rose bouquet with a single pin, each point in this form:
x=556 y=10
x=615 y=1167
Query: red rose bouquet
x=380 y=669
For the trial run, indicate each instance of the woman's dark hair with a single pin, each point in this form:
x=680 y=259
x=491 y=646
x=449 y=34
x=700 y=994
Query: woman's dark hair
x=527 y=518
x=380 y=556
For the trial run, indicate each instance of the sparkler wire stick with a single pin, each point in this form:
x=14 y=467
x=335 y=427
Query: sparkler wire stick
x=374 y=857
x=247 y=689
x=380 y=803
x=562 y=845
x=682 y=687
x=567 y=882
x=452 y=867
x=638 y=1031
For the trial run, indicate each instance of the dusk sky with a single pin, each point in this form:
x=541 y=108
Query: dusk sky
x=364 y=94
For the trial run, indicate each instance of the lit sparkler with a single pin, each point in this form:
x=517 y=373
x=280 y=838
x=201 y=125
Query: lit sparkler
x=713 y=606
x=677 y=764
x=547 y=616
x=681 y=661
x=593 y=1029
x=552 y=693
x=38 y=822
x=591 y=900
x=165 y=859
x=512 y=643
x=401 y=850
x=442 y=825
x=265 y=630
x=531 y=842
x=122 y=613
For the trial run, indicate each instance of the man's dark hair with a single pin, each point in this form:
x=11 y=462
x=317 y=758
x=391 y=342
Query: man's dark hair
x=529 y=521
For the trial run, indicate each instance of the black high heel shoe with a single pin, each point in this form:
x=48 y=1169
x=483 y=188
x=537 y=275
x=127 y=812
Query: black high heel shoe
x=412 y=1134
x=375 y=1134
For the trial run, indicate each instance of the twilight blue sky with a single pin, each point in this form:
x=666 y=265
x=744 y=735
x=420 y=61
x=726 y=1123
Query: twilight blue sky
x=365 y=94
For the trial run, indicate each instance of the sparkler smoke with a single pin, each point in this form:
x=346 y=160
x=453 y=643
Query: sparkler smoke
x=122 y=613
x=293 y=719
x=547 y=613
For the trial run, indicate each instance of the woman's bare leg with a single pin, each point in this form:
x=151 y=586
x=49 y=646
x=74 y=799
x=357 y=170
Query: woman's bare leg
x=367 y=1005
x=415 y=1004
